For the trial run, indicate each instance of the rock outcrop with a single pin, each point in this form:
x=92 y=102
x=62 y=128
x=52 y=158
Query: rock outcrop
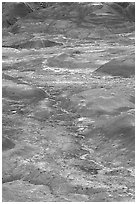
x=119 y=67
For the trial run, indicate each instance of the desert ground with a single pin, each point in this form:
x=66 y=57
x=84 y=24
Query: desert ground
x=68 y=102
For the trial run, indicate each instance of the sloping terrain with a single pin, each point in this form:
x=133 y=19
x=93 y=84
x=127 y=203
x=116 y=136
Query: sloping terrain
x=68 y=102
